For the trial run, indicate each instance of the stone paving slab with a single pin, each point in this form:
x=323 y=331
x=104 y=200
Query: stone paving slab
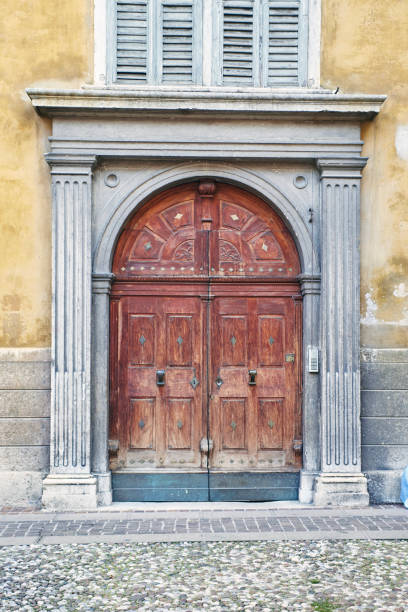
x=205 y=525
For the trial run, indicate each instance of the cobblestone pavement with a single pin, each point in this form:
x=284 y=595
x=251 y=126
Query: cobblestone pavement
x=322 y=576
x=225 y=524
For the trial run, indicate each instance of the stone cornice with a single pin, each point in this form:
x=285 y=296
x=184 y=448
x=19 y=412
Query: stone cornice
x=129 y=102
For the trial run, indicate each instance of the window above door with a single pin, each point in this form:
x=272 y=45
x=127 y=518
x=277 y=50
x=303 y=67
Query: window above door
x=213 y=43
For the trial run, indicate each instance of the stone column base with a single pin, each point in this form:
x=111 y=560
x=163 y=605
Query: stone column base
x=306 y=486
x=341 y=489
x=104 y=488
x=69 y=492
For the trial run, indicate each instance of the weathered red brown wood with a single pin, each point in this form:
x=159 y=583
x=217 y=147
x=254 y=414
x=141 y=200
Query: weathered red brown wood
x=206 y=291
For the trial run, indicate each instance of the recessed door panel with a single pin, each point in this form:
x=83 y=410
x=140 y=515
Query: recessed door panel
x=142 y=337
x=179 y=423
x=179 y=340
x=253 y=397
x=142 y=423
x=234 y=417
x=234 y=337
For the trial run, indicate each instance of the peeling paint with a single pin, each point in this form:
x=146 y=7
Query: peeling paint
x=401 y=291
x=401 y=142
x=371 y=308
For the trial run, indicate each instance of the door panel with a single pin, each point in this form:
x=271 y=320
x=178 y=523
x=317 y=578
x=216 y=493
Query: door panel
x=160 y=421
x=252 y=418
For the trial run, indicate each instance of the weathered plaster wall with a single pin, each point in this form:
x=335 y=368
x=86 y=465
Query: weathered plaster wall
x=365 y=49
x=41 y=43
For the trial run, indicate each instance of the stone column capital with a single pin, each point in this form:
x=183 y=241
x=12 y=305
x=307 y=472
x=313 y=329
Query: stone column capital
x=310 y=284
x=70 y=164
x=341 y=168
x=102 y=283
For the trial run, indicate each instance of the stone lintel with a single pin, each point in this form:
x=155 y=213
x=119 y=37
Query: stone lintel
x=68 y=492
x=129 y=102
x=341 y=489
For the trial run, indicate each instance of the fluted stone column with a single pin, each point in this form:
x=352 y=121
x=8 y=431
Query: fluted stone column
x=70 y=484
x=340 y=481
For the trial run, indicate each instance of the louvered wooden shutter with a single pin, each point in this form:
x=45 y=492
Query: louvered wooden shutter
x=132 y=41
x=177 y=41
x=238 y=30
x=283 y=21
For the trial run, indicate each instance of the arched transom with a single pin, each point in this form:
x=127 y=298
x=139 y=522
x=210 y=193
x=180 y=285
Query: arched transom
x=206 y=229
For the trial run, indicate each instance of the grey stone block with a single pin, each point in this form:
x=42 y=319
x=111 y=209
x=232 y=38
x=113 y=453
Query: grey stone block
x=384 y=376
x=20 y=489
x=384 y=486
x=25 y=403
x=387 y=403
x=25 y=375
x=24 y=432
x=24 y=458
x=378 y=355
x=384 y=431
x=378 y=457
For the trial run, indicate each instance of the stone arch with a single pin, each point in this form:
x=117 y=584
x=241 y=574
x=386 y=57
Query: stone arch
x=128 y=203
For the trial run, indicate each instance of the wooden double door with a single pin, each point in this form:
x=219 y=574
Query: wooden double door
x=205 y=368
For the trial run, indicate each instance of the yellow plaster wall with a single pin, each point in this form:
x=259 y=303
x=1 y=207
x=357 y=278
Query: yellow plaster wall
x=365 y=50
x=42 y=42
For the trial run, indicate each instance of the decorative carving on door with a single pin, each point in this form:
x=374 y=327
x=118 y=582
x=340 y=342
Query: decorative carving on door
x=243 y=237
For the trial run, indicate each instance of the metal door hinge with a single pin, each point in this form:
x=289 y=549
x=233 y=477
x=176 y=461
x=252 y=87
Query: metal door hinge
x=113 y=446
x=206 y=445
x=297 y=445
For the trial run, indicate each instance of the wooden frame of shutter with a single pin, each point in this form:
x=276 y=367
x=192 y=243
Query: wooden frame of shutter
x=286 y=72
x=262 y=51
x=221 y=7
x=154 y=44
x=196 y=37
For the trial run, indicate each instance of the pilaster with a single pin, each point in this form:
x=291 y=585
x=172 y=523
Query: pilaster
x=341 y=481
x=101 y=286
x=310 y=286
x=70 y=484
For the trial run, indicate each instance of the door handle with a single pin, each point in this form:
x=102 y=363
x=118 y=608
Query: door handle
x=252 y=377
x=160 y=377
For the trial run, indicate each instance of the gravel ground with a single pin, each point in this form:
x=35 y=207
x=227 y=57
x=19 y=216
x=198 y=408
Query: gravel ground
x=290 y=575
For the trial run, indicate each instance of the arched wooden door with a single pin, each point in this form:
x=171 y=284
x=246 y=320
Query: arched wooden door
x=205 y=350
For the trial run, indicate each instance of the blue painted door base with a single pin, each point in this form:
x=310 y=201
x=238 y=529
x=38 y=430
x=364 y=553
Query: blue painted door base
x=196 y=487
